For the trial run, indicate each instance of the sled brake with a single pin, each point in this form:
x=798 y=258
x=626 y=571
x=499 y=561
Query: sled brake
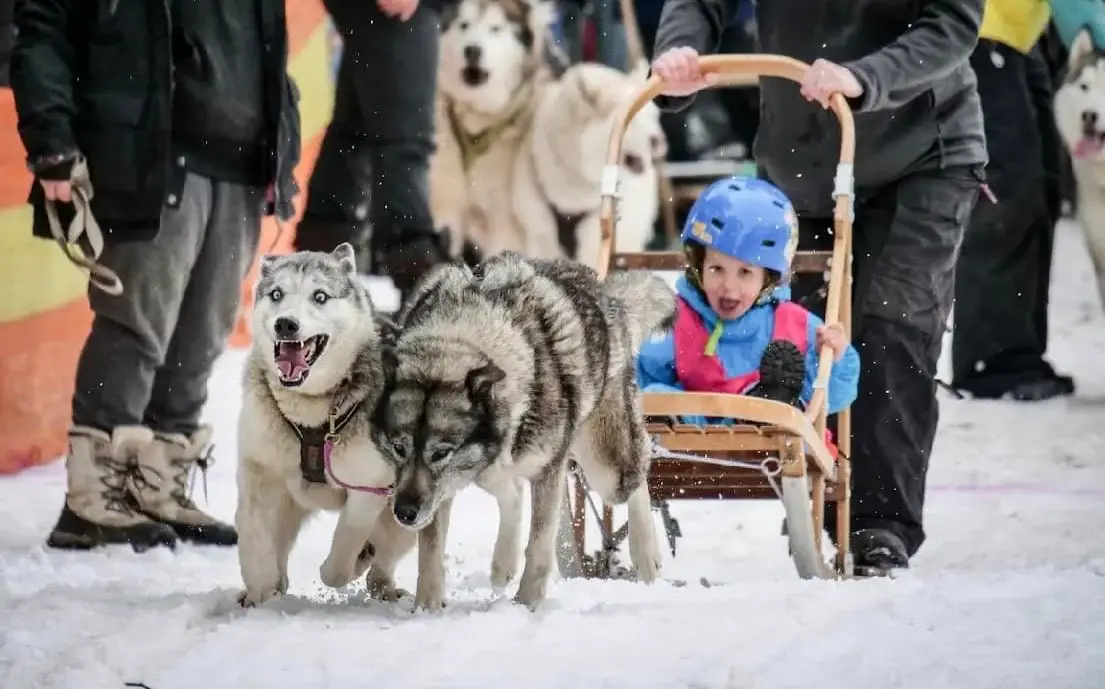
x=773 y=450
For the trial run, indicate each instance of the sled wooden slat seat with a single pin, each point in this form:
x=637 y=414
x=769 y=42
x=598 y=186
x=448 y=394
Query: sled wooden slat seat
x=804 y=261
x=768 y=449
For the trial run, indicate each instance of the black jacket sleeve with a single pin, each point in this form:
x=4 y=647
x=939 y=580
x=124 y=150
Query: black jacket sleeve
x=936 y=44
x=42 y=81
x=694 y=24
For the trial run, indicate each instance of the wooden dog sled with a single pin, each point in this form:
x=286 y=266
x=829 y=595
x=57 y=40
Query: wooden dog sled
x=772 y=450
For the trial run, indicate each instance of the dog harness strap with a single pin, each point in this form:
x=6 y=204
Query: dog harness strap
x=312 y=445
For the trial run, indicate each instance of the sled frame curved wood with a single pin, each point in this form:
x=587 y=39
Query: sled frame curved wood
x=772 y=450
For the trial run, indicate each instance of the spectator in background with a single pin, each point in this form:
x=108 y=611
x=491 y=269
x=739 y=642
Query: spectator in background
x=920 y=152
x=180 y=161
x=370 y=183
x=1003 y=277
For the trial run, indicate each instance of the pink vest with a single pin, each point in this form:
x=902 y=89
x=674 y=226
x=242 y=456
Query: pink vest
x=702 y=372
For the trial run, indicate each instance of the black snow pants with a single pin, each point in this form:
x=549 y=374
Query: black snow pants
x=1004 y=272
x=7 y=38
x=370 y=184
x=906 y=239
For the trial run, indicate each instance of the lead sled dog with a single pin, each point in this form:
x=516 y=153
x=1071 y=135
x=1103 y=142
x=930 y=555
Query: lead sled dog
x=1080 y=118
x=312 y=381
x=506 y=373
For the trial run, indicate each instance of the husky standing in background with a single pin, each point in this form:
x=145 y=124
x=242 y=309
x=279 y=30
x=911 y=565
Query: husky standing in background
x=508 y=372
x=1080 y=118
x=521 y=143
x=312 y=382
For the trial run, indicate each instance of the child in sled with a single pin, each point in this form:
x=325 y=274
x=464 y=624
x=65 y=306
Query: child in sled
x=737 y=331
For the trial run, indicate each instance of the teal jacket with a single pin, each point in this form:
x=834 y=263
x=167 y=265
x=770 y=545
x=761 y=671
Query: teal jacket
x=1071 y=16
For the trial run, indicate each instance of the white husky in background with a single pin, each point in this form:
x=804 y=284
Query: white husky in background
x=1080 y=117
x=520 y=150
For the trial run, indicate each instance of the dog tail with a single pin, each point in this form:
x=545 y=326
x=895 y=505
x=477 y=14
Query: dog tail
x=648 y=301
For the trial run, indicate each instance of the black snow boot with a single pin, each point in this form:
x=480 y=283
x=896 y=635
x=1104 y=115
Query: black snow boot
x=878 y=552
x=782 y=374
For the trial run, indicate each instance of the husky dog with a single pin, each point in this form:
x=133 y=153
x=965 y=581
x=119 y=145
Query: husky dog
x=571 y=129
x=313 y=379
x=501 y=180
x=506 y=373
x=1080 y=118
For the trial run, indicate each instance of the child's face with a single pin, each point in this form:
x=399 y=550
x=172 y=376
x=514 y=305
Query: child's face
x=731 y=285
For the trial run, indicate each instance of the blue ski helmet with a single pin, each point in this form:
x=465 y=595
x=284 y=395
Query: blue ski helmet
x=746 y=218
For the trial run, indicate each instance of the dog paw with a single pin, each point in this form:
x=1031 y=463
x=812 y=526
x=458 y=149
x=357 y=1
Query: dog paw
x=430 y=598
x=502 y=574
x=530 y=593
x=336 y=575
x=251 y=599
x=382 y=588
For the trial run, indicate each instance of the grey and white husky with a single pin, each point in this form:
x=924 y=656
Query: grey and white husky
x=312 y=382
x=505 y=373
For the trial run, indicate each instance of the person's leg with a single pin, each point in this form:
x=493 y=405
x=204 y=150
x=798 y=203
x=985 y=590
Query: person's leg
x=338 y=192
x=115 y=376
x=905 y=247
x=397 y=126
x=206 y=318
x=998 y=347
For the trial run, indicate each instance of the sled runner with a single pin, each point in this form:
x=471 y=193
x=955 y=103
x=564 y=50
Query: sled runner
x=772 y=450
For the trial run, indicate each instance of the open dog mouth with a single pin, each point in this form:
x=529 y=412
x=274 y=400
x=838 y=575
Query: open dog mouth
x=472 y=75
x=294 y=358
x=1091 y=143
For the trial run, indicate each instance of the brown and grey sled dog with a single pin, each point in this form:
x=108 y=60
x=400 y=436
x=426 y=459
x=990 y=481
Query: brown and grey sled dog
x=1080 y=118
x=312 y=382
x=505 y=373
x=521 y=145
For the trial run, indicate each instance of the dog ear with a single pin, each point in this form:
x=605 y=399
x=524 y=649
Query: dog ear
x=267 y=263
x=345 y=254
x=481 y=382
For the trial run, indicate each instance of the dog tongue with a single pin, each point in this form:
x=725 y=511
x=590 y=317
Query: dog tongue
x=1087 y=146
x=291 y=359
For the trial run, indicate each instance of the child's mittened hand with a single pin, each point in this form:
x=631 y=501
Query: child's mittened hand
x=681 y=72
x=835 y=337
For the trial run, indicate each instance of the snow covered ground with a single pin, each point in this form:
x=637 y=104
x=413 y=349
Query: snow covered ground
x=1008 y=592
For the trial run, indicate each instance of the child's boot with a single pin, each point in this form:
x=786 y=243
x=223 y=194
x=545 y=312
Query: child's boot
x=782 y=373
x=162 y=490
x=98 y=510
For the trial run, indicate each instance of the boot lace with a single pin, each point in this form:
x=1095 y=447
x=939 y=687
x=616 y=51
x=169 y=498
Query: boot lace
x=115 y=493
x=185 y=478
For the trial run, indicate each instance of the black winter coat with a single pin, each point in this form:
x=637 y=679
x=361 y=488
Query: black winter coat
x=920 y=109
x=95 y=77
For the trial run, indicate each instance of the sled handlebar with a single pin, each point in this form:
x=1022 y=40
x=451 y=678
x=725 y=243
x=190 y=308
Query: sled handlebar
x=746 y=70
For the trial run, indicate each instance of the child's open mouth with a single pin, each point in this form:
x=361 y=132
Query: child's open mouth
x=728 y=308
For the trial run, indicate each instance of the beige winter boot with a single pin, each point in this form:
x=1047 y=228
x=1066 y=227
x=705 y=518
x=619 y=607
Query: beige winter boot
x=98 y=509
x=162 y=491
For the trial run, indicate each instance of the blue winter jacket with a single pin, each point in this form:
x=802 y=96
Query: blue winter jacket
x=740 y=348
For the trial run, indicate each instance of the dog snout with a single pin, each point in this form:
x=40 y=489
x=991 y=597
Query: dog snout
x=1089 y=118
x=406 y=509
x=472 y=53
x=286 y=328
